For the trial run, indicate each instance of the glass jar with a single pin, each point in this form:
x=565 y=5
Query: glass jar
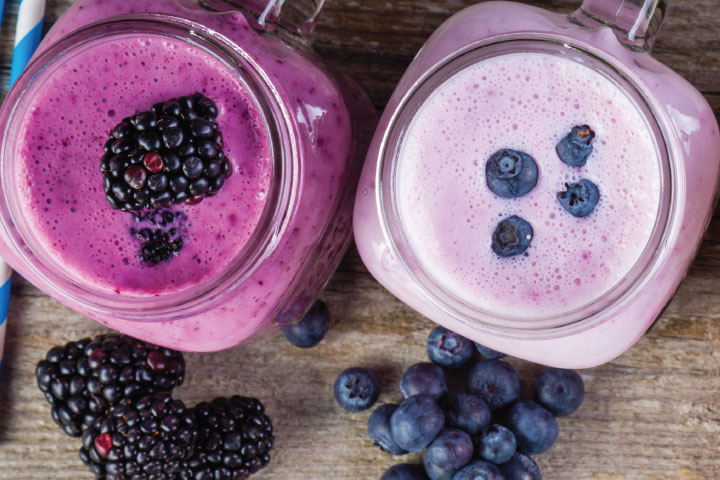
x=316 y=123
x=583 y=329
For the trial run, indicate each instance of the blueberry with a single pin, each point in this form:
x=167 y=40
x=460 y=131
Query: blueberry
x=379 y=430
x=560 y=391
x=448 y=349
x=489 y=353
x=494 y=381
x=511 y=174
x=521 y=467
x=416 y=422
x=451 y=450
x=496 y=444
x=311 y=329
x=576 y=147
x=356 y=389
x=424 y=379
x=479 y=471
x=534 y=427
x=404 y=471
x=512 y=237
x=467 y=412
x=579 y=199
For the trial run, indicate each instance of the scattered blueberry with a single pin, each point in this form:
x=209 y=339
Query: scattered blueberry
x=579 y=199
x=512 y=237
x=479 y=470
x=534 y=427
x=494 y=381
x=311 y=329
x=496 y=444
x=404 y=471
x=448 y=349
x=424 y=379
x=560 y=391
x=451 y=450
x=416 y=422
x=521 y=467
x=511 y=174
x=379 y=430
x=467 y=412
x=576 y=147
x=489 y=353
x=357 y=389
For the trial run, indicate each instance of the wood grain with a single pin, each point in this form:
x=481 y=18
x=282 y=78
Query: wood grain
x=653 y=414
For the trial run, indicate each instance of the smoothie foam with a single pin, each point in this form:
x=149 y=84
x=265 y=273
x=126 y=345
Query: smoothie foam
x=527 y=102
x=61 y=143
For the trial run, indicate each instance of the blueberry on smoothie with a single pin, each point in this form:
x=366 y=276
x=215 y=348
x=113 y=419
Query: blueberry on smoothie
x=168 y=155
x=489 y=353
x=448 y=349
x=521 y=467
x=496 y=444
x=510 y=173
x=579 y=199
x=379 y=430
x=448 y=453
x=311 y=329
x=404 y=471
x=494 y=381
x=424 y=379
x=356 y=389
x=512 y=237
x=467 y=412
x=416 y=422
x=534 y=427
x=560 y=391
x=479 y=470
x=575 y=148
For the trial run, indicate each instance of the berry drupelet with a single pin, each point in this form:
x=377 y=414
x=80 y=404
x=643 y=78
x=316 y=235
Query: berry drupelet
x=84 y=379
x=147 y=438
x=234 y=441
x=169 y=155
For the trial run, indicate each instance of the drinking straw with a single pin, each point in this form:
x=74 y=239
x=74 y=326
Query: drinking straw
x=27 y=38
x=2 y=10
x=27 y=35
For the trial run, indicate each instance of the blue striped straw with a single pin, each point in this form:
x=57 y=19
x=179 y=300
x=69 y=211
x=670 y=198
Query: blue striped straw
x=27 y=39
x=2 y=10
x=27 y=35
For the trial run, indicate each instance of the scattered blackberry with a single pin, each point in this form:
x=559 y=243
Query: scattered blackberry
x=83 y=379
x=234 y=441
x=160 y=231
x=168 y=155
x=147 y=438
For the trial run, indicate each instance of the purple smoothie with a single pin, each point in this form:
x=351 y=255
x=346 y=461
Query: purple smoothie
x=61 y=142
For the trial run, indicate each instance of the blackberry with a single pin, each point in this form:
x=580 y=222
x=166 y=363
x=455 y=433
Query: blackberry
x=234 y=441
x=160 y=231
x=146 y=438
x=168 y=155
x=83 y=380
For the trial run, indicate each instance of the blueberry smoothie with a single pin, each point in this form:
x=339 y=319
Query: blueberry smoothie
x=520 y=109
x=61 y=146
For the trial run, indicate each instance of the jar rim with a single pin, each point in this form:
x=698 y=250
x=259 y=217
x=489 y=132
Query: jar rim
x=450 y=304
x=192 y=300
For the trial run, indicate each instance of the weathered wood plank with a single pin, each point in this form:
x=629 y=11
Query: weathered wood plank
x=652 y=414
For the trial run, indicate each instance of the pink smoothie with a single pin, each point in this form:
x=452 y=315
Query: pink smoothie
x=526 y=102
x=61 y=143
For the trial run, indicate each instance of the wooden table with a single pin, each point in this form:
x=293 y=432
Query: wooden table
x=652 y=414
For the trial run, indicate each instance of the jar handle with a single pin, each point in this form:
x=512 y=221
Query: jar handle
x=635 y=22
x=298 y=17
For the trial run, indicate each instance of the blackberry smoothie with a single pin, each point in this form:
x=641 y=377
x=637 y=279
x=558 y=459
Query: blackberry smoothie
x=61 y=144
x=529 y=103
x=181 y=171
